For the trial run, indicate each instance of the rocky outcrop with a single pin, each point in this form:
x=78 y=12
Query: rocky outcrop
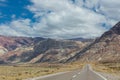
x=52 y=50
x=11 y=43
x=19 y=55
x=3 y=50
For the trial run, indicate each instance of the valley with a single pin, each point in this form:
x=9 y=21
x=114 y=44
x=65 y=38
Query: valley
x=59 y=39
x=22 y=57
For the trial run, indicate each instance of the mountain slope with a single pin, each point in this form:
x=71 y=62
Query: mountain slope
x=83 y=39
x=11 y=43
x=52 y=50
x=49 y=50
x=3 y=50
x=105 y=49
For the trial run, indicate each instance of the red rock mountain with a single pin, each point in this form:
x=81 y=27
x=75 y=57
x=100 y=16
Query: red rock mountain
x=34 y=50
x=49 y=50
x=11 y=43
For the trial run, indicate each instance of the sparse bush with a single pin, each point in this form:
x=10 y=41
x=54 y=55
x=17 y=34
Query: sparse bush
x=19 y=74
x=18 y=79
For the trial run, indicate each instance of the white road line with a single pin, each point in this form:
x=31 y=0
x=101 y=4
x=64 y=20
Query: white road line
x=90 y=68
x=46 y=76
x=74 y=76
x=100 y=75
x=79 y=73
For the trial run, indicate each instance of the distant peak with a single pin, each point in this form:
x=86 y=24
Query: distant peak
x=117 y=25
x=116 y=28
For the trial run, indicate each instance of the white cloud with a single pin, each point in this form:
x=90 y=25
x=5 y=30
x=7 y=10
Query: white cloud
x=111 y=8
x=63 y=19
x=2 y=2
x=17 y=28
x=66 y=19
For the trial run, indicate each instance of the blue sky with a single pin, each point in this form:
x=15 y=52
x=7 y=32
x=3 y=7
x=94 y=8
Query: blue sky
x=58 y=18
x=14 y=9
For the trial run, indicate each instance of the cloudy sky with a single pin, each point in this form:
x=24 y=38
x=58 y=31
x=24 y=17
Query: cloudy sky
x=58 y=18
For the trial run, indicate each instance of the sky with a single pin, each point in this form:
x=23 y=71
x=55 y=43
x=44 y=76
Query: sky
x=61 y=19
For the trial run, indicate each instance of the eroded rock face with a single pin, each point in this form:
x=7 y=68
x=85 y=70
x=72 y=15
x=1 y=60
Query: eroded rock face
x=49 y=50
x=19 y=55
x=11 y=43
x=3 y=50
x=52 y=50
x=45 y=45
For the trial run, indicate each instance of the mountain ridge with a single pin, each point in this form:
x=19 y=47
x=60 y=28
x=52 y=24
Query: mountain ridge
x=103 y=49
x=48 y=50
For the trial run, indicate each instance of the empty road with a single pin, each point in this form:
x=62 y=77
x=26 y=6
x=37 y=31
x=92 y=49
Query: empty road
x=85 y=74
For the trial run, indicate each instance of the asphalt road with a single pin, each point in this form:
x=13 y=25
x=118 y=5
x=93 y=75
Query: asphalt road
x=85 y=74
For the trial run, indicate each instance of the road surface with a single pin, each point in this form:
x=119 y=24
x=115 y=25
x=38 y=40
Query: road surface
x=85 y=74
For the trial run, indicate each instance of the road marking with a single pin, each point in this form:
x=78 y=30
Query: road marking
x=46 y=76
x=74 y=76
x=90 y=68
x=87 y=70
x=100 y=75
x=79 y=73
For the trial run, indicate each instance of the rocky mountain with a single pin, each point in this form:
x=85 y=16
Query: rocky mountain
x=11 y=43
x=19 y=55
x=52 y=50
x=3 y=50
x=49 y=50
x=83 y=39
x=103 y=49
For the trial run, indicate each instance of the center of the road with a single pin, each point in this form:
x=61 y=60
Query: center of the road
x=87 y=73
x=74 y=76
x=79 y=73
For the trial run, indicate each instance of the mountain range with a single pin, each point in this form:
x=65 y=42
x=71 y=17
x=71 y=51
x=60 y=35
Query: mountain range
x=38 y=50
x=42 y=50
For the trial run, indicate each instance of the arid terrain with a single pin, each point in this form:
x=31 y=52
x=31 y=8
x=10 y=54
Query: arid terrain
x=59 y=39
x=24 y=71
x=22 y=58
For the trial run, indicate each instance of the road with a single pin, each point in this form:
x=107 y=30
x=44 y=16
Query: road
x=86 y=73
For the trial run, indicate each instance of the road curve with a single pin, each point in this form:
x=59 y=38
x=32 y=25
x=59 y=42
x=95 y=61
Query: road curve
x=85 y=74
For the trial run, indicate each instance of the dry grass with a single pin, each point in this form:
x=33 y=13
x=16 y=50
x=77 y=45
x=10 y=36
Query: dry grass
x=111 y=68
x=19 y=72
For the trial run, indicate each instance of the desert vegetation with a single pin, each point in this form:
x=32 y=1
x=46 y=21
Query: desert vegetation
x=108 y=67
x=20 y=72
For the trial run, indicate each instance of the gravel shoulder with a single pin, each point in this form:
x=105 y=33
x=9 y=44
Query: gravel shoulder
x=110 y=76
